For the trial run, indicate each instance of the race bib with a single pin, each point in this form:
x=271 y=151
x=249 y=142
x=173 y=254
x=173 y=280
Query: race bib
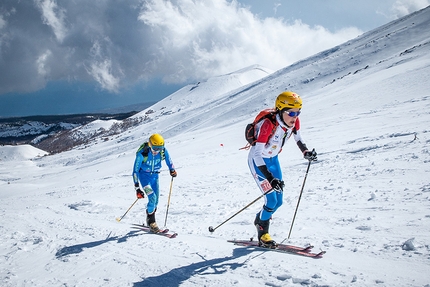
x=265 y=185
x=147 y=189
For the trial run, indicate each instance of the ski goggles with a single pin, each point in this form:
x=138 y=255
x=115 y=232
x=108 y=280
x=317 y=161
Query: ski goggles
x=157 y=148
x=292 y=114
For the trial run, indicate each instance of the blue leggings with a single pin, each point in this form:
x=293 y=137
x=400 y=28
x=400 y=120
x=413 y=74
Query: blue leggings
x=272 y=200
x=149 y=183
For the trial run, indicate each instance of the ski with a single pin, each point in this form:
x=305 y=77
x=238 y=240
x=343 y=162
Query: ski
x=283 y=248
x=163 y=232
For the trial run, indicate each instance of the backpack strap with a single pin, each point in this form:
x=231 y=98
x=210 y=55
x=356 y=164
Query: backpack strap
x=273 y=120
x=163 y=156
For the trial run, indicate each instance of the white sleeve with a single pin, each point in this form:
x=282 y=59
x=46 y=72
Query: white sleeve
x=297 y=136
x=257 y=155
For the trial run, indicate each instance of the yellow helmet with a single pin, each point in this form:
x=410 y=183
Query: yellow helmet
x=288 y=100
x=156 y=140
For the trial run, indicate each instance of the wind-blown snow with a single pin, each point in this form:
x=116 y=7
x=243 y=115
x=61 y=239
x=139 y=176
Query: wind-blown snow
x=366 y=200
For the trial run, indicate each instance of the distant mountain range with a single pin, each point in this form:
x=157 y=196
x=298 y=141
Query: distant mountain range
x=35 y=130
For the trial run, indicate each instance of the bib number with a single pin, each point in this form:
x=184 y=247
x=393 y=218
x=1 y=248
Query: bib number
x=265 y=185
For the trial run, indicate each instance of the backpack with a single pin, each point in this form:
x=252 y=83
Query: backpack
x=250 y=132
x=144 y=150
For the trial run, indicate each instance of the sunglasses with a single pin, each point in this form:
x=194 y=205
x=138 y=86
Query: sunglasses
x=292 y=114
x=157 y=147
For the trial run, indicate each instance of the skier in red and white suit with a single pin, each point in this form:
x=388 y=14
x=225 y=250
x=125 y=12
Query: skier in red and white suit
x=263 y=158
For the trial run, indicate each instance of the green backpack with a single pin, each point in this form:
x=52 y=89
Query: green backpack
x=144 y=149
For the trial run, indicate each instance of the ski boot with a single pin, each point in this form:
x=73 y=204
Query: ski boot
x=150 y=221
x=264 y=239
x=267 y=241
x=154 y=227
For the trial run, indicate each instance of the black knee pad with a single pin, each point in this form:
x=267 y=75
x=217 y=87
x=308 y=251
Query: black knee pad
x=268 y=209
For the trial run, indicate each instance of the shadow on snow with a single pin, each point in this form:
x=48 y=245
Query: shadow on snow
x=177 y=276
x=78 y=248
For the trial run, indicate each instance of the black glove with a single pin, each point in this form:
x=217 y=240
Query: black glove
x=139 y=192
x=277 y=184
x=310 y=155
x=173 y=173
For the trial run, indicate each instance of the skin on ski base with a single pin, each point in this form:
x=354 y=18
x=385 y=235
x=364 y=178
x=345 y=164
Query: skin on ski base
x=283 y=248
x=162 y=232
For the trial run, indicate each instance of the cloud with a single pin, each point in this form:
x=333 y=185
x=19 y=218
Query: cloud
x=275 y=7
x=101 y=72
x=215 y=37
x=53 y=16
x=2 y=22
x=404 y=7
x=119 y=44
x=42 y=67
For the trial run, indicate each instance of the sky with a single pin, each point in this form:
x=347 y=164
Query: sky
x=60 y=57
x=366 y=200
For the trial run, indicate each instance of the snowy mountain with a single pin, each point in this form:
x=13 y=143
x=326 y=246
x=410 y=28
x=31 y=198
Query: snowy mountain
x=41 y=131
x=366 y=200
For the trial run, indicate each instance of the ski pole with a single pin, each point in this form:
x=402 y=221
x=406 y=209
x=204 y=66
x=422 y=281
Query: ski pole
x=300 y=196
x=212 y=229
x=168 y=202
x=119 y=218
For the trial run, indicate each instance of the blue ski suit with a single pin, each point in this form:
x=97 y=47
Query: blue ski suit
x=146 y=168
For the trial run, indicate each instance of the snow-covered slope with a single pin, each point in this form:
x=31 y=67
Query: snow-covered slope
x=19 y=153
x=366 y=200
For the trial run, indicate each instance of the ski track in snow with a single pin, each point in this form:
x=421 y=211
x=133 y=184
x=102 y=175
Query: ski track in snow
x=366 y=200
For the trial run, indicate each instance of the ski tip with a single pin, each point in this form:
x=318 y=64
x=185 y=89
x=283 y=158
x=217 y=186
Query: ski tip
x=319 y=255
x=308 y=248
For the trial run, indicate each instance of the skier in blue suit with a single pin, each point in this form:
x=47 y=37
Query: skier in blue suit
x=146 y=168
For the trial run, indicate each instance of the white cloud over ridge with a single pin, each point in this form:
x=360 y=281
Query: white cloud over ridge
x=404 y=7
x=120 y=43
x=210 y=38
